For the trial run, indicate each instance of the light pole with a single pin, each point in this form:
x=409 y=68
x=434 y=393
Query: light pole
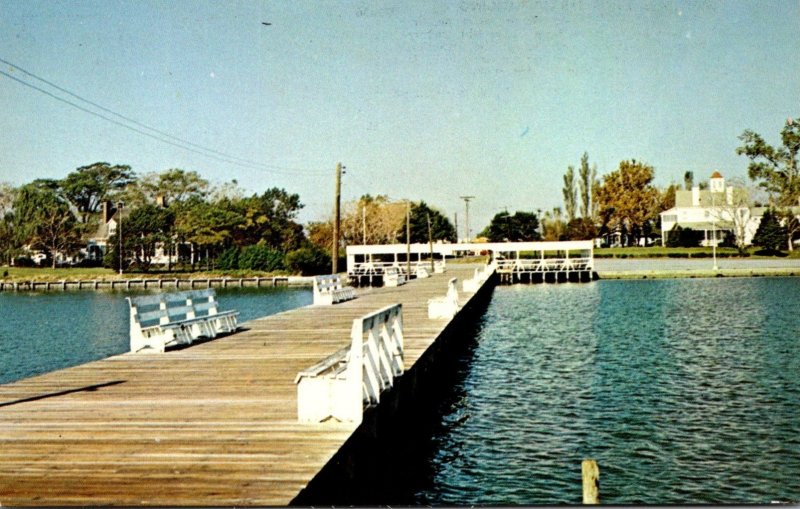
x=466 y=219
x=119 y=211
x=714 y=232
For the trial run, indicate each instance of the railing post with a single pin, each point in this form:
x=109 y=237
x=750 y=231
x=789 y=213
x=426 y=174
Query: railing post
x=353 y=406
x=591 y=482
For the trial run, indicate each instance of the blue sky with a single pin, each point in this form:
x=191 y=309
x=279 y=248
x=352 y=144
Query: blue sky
x=421 y=100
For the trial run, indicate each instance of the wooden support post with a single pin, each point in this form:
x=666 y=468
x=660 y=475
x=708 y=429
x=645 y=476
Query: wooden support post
x=591 y=482
x=336 y=220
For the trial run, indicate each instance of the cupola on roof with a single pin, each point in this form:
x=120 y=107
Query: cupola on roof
x=716 y=175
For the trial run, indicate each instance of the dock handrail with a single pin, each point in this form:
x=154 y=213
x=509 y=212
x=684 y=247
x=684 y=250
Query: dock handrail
x=340 y=385
x=480 y=276
x=446 y=306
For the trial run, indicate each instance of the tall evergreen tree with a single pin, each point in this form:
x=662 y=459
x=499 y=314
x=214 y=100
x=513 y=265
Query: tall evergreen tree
x=585 y=185
x=770 y=234
x=569 y=193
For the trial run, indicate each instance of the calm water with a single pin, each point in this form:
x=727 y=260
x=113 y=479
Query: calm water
x=45 y=331
x=685 y=391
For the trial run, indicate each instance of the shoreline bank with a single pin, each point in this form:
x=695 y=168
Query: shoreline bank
x=695 y=273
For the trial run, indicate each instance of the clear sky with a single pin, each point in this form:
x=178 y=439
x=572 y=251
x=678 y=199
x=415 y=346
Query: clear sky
x=421 y=100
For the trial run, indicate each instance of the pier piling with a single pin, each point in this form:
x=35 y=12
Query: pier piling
x=591 y=482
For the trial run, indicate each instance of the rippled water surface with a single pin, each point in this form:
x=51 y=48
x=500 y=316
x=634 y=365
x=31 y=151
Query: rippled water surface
x=45 y=331
x=685 y=391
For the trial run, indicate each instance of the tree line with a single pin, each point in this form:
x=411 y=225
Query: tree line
x=179 y=212
x=626 y=202
x=196 y=224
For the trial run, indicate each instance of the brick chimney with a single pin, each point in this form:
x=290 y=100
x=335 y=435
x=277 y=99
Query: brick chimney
x=108 y=211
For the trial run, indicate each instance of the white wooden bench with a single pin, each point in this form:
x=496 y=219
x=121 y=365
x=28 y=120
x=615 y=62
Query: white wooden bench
x=422 y=272
x=446 y=306
x=439 y=266
x=178 y=318
x=392 y=276
x=328 y=290
x=340 y=385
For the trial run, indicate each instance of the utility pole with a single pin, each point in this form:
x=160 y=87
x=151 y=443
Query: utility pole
x=364 y=224
x=430 y=240
x=336 y=219
x=119 y=208
x=408 y=240
x=466 y=205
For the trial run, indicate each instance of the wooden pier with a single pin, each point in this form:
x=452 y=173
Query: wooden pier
x=213 y=424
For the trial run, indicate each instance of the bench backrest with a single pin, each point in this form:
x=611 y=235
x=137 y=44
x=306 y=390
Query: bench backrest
x=452 y=290
x=327 y=284
x=166 y=308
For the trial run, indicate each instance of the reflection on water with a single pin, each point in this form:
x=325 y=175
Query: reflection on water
x=685 y=391
x=45 y=331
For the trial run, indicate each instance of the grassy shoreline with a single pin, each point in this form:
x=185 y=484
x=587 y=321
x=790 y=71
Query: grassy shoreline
x=689 y=252
x=702 y=273
x=44 y=275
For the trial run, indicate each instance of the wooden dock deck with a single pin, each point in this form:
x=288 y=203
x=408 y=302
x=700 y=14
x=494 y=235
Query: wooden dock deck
x=214 y=424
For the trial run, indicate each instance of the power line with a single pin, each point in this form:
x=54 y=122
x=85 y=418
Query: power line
x=163 y=137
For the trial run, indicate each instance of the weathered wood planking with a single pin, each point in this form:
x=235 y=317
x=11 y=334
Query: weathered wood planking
x=214 y=424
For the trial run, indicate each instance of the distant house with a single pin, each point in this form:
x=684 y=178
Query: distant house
x=110 y=217
x=714 y=211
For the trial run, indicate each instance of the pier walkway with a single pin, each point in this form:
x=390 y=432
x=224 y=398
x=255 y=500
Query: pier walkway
x=214 y=424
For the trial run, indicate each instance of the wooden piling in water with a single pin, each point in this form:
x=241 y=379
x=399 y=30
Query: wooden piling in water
x=591 y=481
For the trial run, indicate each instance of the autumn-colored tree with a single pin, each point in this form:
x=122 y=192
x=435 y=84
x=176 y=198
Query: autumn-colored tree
x=627 y=200
x=554 y=227
x=368 y=220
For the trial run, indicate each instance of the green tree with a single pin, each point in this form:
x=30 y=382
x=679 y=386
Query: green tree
x=269 y=217
x=7 y=241
x=308 y=260
x=229 y=259
x=628 y=200
x=87 y=187
x=521 y=227
x=770 y=235
x=207 y=226
x=776 y=170
x=172 y=186
x=261 y=257
x=440 y=226
x=43 y=220
x=688 y=180
x=143 y=229
x=586 y=181
x=581 y=228
x=568 y=191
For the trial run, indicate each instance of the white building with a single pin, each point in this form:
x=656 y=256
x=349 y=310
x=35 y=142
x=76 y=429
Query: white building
x=715 y=211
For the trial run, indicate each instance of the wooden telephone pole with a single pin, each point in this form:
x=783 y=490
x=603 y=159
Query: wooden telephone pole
x=336 y=220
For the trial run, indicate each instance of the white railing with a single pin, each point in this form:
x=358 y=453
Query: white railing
x=339 y=386
x=446 y=306
x=378 y=268
x=480 y=277
x=543 y=265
